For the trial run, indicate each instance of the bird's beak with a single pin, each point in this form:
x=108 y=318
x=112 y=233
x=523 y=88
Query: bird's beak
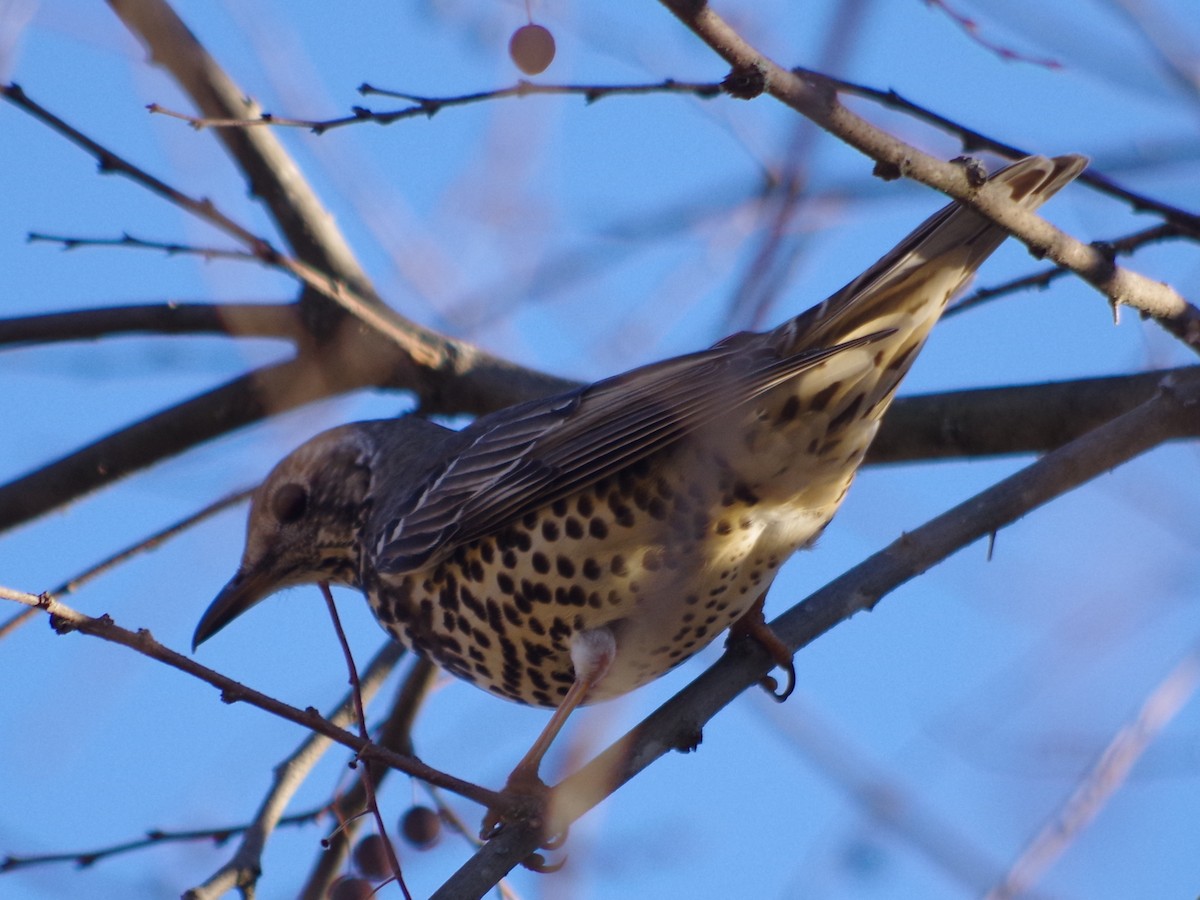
x=250 y=585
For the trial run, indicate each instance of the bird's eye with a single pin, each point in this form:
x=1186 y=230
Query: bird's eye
x=289 y=503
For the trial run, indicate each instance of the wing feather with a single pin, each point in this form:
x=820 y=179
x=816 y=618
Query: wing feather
x=527 y=456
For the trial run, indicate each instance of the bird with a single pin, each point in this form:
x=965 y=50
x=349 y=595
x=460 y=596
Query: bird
x=572 y=548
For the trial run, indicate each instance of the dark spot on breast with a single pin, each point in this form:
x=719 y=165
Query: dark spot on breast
x=550 y=530
x=597 y=528
x=505 y=583
x=745 y=494
x=822 y=397
x=509 y=651
x=509 y=559
x=565 y=567
x=618 y=566
x=471 y=602
x=537 y=679
x=585 y=505
x=523 y=541
x=722 y=527
x=847 y=414
x=540 y=563
x=591 y=569
x=559 y=507
x=789 y=410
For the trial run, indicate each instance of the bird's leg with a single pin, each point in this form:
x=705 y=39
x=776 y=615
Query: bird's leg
x=753 y=625
x=592 y=653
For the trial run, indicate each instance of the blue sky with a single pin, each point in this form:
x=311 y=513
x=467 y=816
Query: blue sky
x=982 y=690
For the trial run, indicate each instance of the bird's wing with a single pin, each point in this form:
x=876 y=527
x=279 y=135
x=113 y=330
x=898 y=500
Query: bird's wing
x=527 y=456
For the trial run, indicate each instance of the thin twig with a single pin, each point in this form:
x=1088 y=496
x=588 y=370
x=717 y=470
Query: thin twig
x=245 y=866
x=360 y=712
x=64 y=620
x=426 y=107
x=815 y=96
x=1103 y=778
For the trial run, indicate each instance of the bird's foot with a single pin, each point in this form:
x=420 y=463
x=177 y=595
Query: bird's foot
x=526 y=800
x=754 y=625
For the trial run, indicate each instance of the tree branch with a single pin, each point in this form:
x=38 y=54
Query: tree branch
x=678 y=723
x=815 y=97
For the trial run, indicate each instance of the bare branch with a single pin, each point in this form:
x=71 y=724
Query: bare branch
x=426 y=107
x=816 y=97
x=262 y=320
x=245 y=866
x=64 y=620
x=678 y=723
x=1106 y=775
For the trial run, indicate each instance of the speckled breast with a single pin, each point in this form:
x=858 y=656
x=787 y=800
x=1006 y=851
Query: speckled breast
x=667 y=554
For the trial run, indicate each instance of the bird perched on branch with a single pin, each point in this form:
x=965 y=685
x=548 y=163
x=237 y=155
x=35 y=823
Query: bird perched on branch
x=570 y=549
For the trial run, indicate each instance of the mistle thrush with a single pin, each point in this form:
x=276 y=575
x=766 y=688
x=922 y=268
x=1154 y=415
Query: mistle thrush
x=570 y=549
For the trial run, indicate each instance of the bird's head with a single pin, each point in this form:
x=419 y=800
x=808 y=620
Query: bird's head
x=304 y=526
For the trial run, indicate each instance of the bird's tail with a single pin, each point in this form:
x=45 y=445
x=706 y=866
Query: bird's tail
x=907 y=290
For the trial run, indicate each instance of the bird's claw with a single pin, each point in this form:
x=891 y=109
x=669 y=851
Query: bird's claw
x=526 y=799
x=771 y=685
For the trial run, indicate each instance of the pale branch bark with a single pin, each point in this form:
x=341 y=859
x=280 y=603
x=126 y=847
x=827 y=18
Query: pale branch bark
x=270 y=172
x=1106 y=775
x=258 y=320
x=1042 y=279
x=64 y=619
x=1186 y=222
x=244 y=867
x=678 y=723
x=816 y=98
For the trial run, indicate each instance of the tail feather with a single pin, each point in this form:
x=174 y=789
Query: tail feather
x=909 y=288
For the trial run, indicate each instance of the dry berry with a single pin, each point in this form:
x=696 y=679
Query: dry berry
x=531 y=48
x=421 y=826
x=347 y=888
x=371 y=856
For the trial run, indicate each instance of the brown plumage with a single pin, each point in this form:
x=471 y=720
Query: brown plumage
x=573 y=548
